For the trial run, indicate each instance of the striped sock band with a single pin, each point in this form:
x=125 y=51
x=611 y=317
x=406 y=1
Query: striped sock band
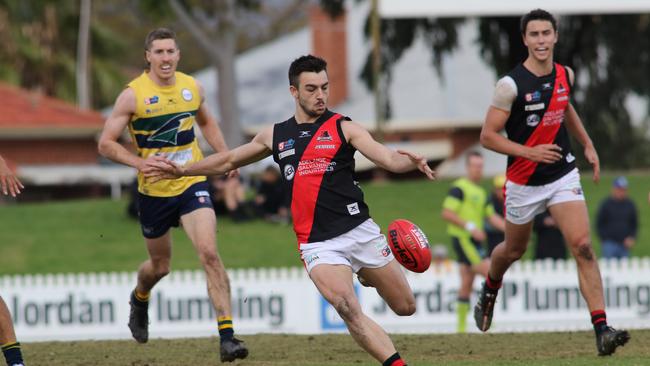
x=599 y=320
x=12 y=353
x=226 y=330
x=394 y=360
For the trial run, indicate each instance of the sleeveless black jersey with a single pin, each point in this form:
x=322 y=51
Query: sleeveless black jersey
x=317 y=165
x=537 y=117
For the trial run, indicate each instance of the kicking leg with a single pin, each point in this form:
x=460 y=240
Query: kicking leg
x=10 y=347
x=335 y=284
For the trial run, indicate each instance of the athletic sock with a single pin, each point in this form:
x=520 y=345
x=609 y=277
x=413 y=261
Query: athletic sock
x=394 y=360
x=226 y=330
x=491 y=284
x=12 y=353
x=140 y=299
x=462 y=308
x=599 y=320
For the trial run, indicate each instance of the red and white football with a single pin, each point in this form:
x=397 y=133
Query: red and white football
x=409 y=245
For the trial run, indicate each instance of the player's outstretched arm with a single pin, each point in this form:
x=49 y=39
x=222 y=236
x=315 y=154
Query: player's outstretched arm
x=8 y=181
x=220 y=163
x=491 y=138
x=399 y=161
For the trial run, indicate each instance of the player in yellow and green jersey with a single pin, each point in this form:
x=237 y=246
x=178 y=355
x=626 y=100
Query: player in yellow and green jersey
x=160 y=109
x=465 y=208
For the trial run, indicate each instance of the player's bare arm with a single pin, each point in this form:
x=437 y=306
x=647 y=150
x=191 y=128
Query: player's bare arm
x=108 y=146
x=395 y=161
x=209 y=125
x=8 y=181
x=492 y=139
x=577 y=130
x=260 y=147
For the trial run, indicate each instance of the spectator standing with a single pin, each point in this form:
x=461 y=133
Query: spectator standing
x=617 y=221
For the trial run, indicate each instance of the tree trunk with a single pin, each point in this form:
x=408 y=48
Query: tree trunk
x=83 y=54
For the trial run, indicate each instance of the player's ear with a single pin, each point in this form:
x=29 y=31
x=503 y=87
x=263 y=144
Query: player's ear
x=294 y=91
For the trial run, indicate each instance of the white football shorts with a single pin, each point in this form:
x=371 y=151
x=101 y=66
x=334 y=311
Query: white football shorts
x=362 y=247
x=524 y=202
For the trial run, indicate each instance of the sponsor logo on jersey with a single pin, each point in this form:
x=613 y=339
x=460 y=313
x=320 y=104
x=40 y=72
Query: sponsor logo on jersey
x=547 y=86
x=286 y=153
x=186 y=94
x=202 y=194
x=328 y=146
x=532 y=120
x=289 y=172
x=570 y=158
x=152 y=100
x=562 y=98
x=324 y=136
x=534 y=107
x=534 y=96
x=561 y=89
x=168 y=132
x=286 y=145
x=353 y=208
x=303 y=134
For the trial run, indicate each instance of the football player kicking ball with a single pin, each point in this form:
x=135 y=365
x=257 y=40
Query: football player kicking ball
x=532 y=104
x=336 y=236
x=10 y=185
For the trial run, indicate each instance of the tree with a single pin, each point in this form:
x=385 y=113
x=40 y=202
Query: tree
x=39 y=49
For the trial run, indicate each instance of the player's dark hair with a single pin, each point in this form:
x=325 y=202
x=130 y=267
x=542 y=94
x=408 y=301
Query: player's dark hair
x=159 y=33
x=471 y=154
x=537 y=14
x=302 y=64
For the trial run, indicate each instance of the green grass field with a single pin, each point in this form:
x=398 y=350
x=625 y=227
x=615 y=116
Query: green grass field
x=575 y=349
x=96 y=235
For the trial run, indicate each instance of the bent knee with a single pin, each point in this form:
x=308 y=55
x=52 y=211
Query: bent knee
x=161 y=270
x=209 y=259
x=405 y=308
x=346 y=308
x=584 y=251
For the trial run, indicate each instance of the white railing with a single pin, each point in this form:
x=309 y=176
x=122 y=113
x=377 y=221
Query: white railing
x=536 y=296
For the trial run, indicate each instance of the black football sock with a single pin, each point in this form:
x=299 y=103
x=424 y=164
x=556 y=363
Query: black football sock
x=599 y=321
x=491 y=284
x=12 y=353
x=394 y=360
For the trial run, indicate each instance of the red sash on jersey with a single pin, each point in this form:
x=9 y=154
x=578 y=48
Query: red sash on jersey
x=313 y=165
x=521 y=169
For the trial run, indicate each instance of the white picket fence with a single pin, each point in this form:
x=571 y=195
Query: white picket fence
x=536 y=296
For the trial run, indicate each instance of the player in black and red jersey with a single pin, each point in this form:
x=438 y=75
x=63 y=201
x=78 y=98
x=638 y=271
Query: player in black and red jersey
x=532 y=103
x=336 y=236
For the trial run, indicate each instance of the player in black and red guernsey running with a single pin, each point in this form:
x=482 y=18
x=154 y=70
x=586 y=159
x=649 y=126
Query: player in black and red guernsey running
x=533 y=104
x=336 y=236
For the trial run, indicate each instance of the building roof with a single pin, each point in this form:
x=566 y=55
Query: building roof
x=25 y=113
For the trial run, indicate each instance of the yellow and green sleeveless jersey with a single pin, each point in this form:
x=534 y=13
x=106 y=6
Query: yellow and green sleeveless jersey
x=469 y=201
x=163 y=123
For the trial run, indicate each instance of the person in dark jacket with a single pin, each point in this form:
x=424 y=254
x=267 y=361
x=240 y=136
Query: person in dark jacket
x=617 y=221
x=549 y=242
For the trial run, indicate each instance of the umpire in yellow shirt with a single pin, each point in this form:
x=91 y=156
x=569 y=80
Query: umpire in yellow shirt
x=465 y=209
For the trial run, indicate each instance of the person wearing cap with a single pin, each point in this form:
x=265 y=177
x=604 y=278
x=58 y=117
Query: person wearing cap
x=617 y=221
x=466 y=209
x=496 y=200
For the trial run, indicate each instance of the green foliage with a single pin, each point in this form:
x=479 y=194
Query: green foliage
x=96 y=235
